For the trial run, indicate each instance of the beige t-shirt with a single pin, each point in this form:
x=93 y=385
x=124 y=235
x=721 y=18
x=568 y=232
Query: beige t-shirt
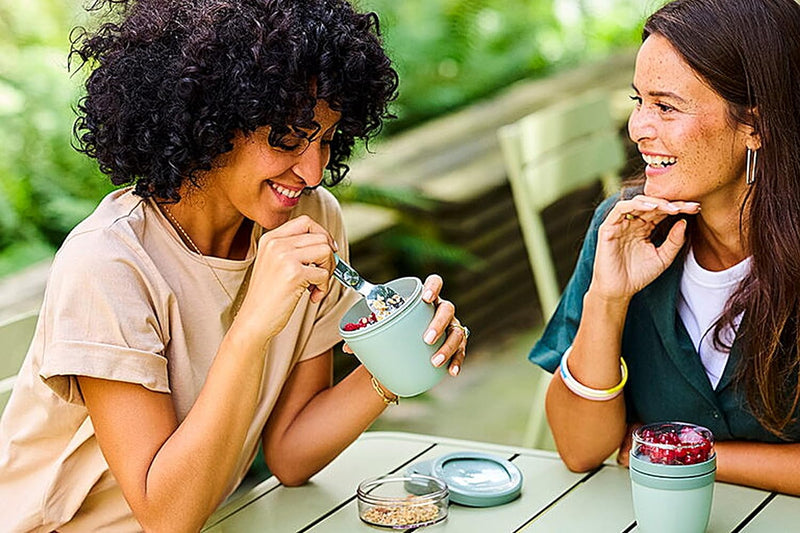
x=127 y=301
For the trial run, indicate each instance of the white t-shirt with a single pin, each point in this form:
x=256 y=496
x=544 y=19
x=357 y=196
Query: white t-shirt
x=701 y=301
x=127 y=300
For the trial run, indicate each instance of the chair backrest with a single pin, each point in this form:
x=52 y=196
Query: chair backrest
x=548 y=155
x=15 y=338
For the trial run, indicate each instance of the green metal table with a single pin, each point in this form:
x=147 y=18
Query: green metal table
x=553 y=499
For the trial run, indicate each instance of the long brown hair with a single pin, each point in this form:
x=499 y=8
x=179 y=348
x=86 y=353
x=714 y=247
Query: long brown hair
x=748 y=51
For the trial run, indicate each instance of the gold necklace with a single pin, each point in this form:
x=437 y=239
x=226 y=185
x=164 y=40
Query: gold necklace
x=196 y=249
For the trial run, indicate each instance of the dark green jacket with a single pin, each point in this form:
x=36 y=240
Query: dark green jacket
x=667 y=380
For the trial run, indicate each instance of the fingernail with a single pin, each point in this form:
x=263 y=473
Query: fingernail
x=437 y=359
x=430 y=336
x=428 y=296
x=454 y=370
x=335 y=246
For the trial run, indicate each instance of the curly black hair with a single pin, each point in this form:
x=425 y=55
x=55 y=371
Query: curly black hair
x=173 y=81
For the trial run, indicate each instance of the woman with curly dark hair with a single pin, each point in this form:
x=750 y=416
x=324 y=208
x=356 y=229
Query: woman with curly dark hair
x=192 y=316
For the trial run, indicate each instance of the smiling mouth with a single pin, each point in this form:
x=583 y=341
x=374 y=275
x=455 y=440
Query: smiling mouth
x=659 y=161
x=283 y=191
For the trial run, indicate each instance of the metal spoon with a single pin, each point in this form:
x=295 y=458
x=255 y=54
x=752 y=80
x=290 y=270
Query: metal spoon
x=380 y=298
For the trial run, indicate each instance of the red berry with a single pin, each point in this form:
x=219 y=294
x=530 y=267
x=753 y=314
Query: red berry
x=684 y=446
x=362 y=322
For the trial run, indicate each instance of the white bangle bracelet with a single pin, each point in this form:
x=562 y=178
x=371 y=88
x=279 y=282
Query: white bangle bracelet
x=589 y=393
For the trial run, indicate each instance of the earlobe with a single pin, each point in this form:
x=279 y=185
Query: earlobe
x=753 y=141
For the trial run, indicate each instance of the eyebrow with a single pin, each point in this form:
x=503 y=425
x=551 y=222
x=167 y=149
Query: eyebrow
x=662 y=94
x=319 y=132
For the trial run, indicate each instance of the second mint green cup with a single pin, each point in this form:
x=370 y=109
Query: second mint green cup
x=671 y=499
x=392 y=349
x=672 y=484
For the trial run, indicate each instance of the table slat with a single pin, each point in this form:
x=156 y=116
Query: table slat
x=600 y=504
x=291 y=509
x=780 y=514
x=544 y=479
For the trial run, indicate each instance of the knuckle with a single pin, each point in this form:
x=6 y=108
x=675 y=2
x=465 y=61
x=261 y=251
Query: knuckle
x=265 y=239
x=281 y=254
x=447 y=305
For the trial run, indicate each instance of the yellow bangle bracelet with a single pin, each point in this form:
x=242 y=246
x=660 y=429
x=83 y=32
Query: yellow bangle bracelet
x=587 y=392
x=387 y=400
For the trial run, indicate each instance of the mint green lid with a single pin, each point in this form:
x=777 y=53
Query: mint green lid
x=474 y=479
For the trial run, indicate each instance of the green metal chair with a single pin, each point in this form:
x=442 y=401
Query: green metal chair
x=548 y=155
x=15 y=337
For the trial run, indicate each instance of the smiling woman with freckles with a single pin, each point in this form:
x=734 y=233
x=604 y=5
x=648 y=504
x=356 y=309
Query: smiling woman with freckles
x=191 y=318
x=685 y=301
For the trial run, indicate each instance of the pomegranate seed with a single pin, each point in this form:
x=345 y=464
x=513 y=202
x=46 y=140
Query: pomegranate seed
x=685 y=446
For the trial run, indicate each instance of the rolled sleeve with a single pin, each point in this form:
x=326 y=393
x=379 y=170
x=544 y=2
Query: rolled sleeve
x=116 y=363
x=103 y=320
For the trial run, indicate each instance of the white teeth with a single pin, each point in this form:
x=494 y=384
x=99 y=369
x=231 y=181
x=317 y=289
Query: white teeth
x=658 y=160
x=286 y=192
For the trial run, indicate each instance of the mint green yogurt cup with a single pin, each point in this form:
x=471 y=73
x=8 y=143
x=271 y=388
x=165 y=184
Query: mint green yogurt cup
x=392 y=349
x=676 y=499
x=672 y=484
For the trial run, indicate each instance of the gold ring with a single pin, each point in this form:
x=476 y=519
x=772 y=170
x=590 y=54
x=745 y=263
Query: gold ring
x=629 y=216
x=464 y=329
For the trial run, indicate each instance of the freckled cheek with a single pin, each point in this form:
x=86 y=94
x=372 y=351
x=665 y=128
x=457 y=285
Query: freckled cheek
x=692 y=167
x=716 y=147
x=690 y=145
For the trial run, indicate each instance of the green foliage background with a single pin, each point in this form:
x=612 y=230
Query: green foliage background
x=448 y=53
x=452 y=52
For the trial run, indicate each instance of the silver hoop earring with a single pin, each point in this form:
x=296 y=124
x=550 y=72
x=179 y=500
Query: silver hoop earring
x=750 y=170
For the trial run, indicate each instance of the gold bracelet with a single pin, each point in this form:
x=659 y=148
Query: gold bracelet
x=386 y=399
